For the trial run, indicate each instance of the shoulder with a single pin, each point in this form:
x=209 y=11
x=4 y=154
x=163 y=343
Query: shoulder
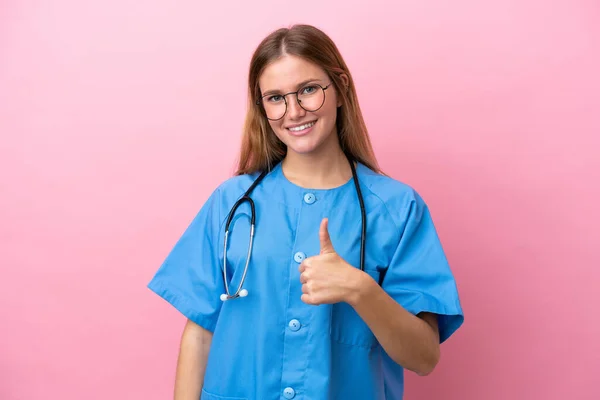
x=226 y=193
x=397 y=197
x=222 y=197
x=236 y=185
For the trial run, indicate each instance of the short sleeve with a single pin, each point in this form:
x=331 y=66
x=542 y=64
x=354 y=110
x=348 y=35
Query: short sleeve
x=419 y=276
x=189 y=278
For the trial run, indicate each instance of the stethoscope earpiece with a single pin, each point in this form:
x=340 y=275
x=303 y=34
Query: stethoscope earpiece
x=242 y=293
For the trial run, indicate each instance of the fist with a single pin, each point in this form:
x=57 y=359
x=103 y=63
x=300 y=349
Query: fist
x=326 y=278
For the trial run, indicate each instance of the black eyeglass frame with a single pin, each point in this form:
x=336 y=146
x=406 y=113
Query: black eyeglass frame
x=259 y=102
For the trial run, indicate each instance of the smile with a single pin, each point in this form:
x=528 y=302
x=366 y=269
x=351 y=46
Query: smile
x=302 y=127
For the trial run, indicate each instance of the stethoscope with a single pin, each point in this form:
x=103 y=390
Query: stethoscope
x=240 y=292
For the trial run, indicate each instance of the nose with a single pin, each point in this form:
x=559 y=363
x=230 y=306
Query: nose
x=294 y=109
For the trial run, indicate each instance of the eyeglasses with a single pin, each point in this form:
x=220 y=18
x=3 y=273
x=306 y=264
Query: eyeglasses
x=310 y=97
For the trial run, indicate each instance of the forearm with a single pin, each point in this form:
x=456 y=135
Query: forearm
x=191 y=363
x=408 y=340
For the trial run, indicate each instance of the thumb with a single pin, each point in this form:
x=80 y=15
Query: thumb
x=326 y=245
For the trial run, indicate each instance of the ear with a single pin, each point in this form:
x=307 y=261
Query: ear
x=346 y=80
x=345 y=85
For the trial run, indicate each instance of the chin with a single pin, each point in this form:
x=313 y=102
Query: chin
x=306 y=144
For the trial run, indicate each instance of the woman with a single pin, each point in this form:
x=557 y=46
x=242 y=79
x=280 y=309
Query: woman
x=321 y=313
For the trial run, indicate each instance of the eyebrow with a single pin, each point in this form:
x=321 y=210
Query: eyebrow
x=274 y=91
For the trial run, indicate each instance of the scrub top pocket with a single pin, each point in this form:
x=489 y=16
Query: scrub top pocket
x=347 y=326
x=209 y=396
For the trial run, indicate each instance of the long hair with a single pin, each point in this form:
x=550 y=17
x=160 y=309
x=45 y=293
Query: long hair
x=261 y=149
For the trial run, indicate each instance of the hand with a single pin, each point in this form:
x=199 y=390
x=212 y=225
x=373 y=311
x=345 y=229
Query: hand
x=326 y=278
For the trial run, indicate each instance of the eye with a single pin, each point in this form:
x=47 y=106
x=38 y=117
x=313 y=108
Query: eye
x=275 y=98
x=309 y=89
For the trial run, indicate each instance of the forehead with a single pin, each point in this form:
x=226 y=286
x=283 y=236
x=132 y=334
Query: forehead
x=287 y=72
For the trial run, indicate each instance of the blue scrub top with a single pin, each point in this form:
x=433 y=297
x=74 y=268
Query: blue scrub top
x=270 y=344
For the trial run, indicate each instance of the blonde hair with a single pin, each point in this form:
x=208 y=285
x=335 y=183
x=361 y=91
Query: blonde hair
x=261 y=149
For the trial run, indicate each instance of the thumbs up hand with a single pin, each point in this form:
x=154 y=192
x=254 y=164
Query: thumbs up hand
x=326 y=278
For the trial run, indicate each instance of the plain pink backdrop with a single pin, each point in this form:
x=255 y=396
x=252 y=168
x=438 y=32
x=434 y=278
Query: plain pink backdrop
x=118 y=118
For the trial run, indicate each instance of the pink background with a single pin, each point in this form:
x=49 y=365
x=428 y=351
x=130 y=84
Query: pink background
x=118 y=118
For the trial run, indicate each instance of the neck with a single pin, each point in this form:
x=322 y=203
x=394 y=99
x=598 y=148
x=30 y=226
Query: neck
x=324 y=169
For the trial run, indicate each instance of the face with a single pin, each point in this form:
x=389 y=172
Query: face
x=302 y=131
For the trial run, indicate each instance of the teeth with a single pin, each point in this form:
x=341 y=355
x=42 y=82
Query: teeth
x=301 y=127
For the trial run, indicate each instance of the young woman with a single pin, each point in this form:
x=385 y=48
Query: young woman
x=328 y=279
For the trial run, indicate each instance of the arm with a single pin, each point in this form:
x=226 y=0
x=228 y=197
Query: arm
x=411 y=341
x=191 y=364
